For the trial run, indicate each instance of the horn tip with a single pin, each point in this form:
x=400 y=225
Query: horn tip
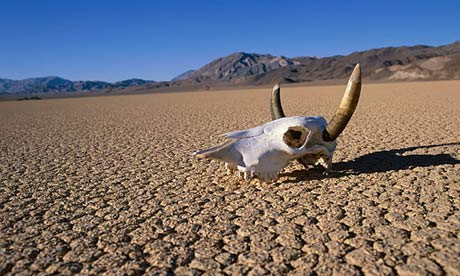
x=356 y=74
x=276 y=86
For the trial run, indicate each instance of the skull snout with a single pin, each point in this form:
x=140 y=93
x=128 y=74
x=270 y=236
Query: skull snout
x=295 y=136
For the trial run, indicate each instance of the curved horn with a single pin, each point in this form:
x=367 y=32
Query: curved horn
x=346 y=108
x=275 y=103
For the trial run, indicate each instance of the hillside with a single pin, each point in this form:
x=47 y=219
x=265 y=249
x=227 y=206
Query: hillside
x=391 y=63
x=403 y=63
x=59 y=85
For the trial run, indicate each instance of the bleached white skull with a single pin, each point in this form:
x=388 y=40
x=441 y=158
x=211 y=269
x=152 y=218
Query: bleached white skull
x=264 y=150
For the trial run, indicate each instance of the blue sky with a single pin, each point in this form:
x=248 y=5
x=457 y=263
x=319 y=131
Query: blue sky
x=157 y=40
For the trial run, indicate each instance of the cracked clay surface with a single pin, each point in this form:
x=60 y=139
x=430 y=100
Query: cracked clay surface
x=108 y=185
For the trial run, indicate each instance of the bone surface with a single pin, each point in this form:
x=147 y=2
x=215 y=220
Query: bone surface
x=264 y=150
x=107 y=185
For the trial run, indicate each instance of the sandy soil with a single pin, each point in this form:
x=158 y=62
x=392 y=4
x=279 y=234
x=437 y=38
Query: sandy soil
x=108 y=184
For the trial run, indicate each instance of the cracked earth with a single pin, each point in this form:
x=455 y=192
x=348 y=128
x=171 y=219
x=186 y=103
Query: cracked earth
x=109 y=185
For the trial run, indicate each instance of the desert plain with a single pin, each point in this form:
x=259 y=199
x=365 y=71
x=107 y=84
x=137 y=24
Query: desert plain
x=108 y=185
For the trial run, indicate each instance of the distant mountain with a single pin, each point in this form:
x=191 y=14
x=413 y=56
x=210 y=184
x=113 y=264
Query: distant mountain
x=44 y=84
x=131 y=82
x=391 y=63
x=418 y=62
x=183 y=76
x=59 y=85
x=237 y=68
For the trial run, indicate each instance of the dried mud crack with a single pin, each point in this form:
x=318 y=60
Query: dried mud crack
x=108 y=185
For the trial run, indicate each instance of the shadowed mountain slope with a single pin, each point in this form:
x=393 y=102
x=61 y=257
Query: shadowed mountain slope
x=403 y=63
x=391 y=63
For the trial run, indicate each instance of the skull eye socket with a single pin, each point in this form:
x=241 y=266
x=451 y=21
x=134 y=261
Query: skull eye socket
x=295 y=136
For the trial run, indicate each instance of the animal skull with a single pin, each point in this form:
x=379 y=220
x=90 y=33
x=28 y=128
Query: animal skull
x=264 y=150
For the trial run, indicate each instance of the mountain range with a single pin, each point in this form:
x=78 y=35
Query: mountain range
x=403 y=63
x=391 y=63
x=54 y=84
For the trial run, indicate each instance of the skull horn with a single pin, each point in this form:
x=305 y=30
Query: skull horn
x=275 y=103
x=346 y=108
x=343 y=113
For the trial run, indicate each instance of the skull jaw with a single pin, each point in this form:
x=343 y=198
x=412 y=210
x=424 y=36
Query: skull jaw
x=265 y=171
x=313 y=160
x=323 y=158
x=249 y=173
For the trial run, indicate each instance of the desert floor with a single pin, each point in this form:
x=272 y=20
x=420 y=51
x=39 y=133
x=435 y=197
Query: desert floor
x=108 y=184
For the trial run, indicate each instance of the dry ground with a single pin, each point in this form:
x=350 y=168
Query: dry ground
x=108 y=184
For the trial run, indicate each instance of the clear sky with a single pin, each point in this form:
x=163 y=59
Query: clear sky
x=114 y=40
